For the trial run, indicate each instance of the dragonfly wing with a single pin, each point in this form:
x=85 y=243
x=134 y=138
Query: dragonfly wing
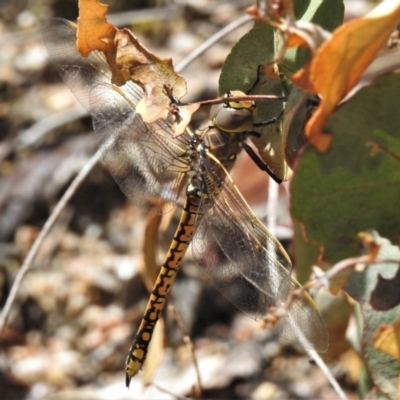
x=242 y=261
x=146 y=164
x=304 y=324
x=78 y=72
x=249 y=266
x=144 y=159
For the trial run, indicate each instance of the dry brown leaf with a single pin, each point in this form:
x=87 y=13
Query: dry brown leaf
x=150 y=268
x=387 y=339
x=370 y=244
x=95 y=33
x=280 y=14
x=353 y=365
x=184 y=117
x=340 y=62
x=129 y=60
x=155 y=75
x=306 y=34
x=155 y=354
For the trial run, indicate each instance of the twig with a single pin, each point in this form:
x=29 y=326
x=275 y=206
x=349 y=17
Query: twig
x=322 y=278
x=189 y=344
x=272 y=205
x=161 y=389
x=325 y=370
x=280 y=312
x=309 y=348
x=247 y=97
x=211 y=41
x=40 y=128
x=42 y=235
x=148 y=15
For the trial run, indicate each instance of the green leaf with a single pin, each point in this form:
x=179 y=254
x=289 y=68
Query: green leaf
x=293 y=122
x=329 y=15
x=259 y=47
x=383 y=368
x=306 y=254
x=356 y=185
x=240 y=72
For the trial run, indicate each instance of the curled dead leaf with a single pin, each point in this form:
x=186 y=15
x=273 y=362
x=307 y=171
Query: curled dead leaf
x=340 y=63
x=370 y=244
x=95 y=33
x=129 y=60
x=155 y=75
x=184 y=117
x=280 y=14
x=387 y=339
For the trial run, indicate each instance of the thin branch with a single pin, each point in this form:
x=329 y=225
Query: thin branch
x=325 y=370
x=189 y=344
x=309 y=348
x=148 y=15
x=281 y=311
x=272 y=205
x=42 y=235
x=247 y=97
x=161 y=389
x=322 y=278
x=211 y=41
x=40 y=128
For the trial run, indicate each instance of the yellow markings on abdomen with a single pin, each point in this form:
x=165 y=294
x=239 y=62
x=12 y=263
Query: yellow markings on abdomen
x=182 y=238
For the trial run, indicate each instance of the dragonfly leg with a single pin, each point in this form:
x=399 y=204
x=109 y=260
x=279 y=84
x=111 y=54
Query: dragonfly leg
x=182 y=238
x=270 y=121
x=260 y=163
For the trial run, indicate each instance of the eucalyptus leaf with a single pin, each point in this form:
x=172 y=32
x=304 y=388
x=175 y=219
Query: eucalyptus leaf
x=240 y=72
x=356 y=185
x=384 y=369
x=259 y=47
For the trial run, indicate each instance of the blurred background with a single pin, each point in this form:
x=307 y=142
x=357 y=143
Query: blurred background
x=78 y=309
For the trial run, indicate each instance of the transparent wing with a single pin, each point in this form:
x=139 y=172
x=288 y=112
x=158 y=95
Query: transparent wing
x=144 y=160
x=248 y=265
x=304 y=324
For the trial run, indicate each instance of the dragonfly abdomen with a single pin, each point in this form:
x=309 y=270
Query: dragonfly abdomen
x=225 y=147
x=182 y=238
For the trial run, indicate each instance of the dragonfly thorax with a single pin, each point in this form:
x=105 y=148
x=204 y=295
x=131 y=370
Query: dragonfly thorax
x=223 y=146
x=209 y=171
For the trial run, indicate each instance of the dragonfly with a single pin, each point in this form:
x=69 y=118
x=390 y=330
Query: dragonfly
x=230 y=245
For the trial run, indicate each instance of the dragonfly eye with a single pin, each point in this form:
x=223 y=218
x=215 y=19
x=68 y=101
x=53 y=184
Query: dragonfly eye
x=235 y=116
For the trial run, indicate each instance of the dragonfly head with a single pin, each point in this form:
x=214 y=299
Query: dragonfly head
x=235 y=116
